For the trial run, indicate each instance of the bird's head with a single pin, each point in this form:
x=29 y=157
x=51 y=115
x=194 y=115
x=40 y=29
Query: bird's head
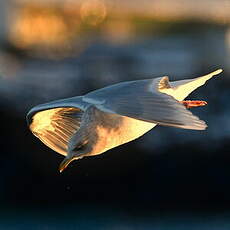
x=79 y=146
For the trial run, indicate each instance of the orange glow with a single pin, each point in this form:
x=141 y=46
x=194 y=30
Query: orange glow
x=61 y=28
x=35 y=26
x=93 y=12
x=118 y=31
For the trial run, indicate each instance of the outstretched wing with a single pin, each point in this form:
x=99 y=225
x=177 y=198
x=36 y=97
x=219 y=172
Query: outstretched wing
x=55 y=123
x=142 y=100
x=181 y=89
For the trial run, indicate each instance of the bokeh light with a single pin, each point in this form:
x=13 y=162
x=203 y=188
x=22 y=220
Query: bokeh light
x=93 y=12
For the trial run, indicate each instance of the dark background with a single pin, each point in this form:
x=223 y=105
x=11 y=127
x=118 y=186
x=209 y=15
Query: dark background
x=167 y=179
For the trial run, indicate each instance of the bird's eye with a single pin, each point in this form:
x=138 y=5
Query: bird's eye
x=79 y=148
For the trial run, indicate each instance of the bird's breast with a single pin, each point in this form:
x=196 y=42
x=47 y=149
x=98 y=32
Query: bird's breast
x=126 y=130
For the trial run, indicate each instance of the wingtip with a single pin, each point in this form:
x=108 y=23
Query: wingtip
x=218 y=71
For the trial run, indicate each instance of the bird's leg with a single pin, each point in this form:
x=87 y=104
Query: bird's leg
x=190 y=104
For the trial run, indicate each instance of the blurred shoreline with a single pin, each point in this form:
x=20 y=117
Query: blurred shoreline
x=167 y=179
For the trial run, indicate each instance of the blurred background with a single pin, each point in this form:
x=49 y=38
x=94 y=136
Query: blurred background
x=167 y=179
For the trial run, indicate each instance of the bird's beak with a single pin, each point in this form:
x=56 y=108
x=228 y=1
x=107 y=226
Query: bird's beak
x=65 y=163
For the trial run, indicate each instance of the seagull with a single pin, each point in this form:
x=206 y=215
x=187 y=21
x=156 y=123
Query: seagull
x=100 y=120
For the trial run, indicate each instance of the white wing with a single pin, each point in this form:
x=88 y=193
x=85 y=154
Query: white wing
x=55 y=123
x=181 y=89
x=142 y=100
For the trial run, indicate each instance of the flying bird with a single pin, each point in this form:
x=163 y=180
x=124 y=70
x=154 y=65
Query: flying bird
x=105 y=118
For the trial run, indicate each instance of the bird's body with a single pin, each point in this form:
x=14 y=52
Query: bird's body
x=112 y=130
x=103 y=119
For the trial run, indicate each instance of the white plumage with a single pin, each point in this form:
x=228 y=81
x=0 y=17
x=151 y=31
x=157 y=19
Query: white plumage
x=105 y=118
